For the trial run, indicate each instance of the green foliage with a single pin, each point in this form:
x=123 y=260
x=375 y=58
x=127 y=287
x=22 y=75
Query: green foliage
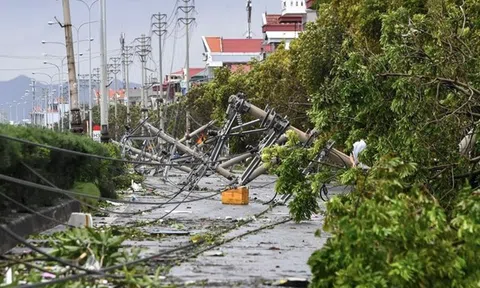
x=287 y=162
x=117 y=126
x=80 y=244
x=51 y=164
x=124 y=181
x=397 y=74
x=402 y=75
x=101 y=248
x=389 y=233
x=89 y=189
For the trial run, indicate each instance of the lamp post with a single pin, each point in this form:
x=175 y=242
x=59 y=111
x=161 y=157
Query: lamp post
x=90 y=39
x=10 y=116
x=46 y=97
x=78 y=55
x=64 y=99
x=27 y=92
x=9 y=112
x=16 y=110
x=90 y=118
x=58 y=90
x=33 y=89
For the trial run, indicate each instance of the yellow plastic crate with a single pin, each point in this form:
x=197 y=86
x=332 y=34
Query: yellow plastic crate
x=236 y=196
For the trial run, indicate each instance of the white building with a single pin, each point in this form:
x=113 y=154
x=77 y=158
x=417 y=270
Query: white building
x=288 y=25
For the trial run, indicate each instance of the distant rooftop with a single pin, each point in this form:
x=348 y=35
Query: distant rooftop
x=220 y=45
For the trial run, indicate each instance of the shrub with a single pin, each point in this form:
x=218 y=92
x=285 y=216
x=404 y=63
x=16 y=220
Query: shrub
x=60 y=168
x=390 y=233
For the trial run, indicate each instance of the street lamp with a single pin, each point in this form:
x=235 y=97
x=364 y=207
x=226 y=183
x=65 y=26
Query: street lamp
x=59 y=91
x=90 y=39
x=90 y=118
x=78 y=46
x=46 y=98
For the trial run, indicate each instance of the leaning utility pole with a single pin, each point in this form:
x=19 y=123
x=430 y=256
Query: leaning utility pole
x=127 y=60
x=187 y=8
x=76 y=120
x=159 y=28
x=143 y=48
x=115 y=69
x=104 y=70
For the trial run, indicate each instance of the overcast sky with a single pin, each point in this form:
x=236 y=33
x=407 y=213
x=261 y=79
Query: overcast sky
x=24 y=26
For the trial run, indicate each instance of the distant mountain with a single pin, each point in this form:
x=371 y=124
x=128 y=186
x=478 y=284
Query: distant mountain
x=14 y=89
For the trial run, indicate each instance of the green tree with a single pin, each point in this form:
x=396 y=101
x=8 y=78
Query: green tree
x=402 y=75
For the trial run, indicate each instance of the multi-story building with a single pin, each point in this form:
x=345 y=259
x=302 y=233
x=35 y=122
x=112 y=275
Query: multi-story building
x=288 y=25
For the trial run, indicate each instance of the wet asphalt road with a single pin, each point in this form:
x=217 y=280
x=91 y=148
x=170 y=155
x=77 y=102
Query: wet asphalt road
x=254 y=260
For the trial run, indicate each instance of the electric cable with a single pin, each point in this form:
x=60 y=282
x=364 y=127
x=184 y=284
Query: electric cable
x=61 y=191
x=104 y=210
x=33 y=211
x=82 y=153
x=141 y=260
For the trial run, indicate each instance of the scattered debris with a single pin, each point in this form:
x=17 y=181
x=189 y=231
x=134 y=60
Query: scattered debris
x=214 y=253
x=114 y=203
x=80 y=220
x=292 y=282
x=168 y=232
x=177 y=226
x=274 y=248
x=46 y=275
x=178 y=212
x=136 y=187
x=8 y=277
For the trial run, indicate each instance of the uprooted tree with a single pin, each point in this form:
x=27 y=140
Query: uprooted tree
x=404 y=75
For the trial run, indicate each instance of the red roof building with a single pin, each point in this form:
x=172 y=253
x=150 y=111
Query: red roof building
x=233 y=53
x=285 y=27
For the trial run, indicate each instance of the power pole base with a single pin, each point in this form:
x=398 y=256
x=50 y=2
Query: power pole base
x=76 y=122
x=105 y=138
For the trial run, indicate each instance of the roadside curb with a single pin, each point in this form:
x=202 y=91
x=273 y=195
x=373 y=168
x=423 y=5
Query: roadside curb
x=31 y=223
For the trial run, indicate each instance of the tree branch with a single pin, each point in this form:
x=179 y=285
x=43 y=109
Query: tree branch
x=457 y=84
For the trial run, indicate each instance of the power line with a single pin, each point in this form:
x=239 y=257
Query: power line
x=142 y=49
x=187 y=8
x=72 y=193
x=160 y=30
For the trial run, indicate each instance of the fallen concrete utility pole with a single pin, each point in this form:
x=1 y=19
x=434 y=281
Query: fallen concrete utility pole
x=151 y=156
x=198 y=131
x=225 y=173
x=246 y=107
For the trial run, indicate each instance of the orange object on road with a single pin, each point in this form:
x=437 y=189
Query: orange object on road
x=236 y=196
